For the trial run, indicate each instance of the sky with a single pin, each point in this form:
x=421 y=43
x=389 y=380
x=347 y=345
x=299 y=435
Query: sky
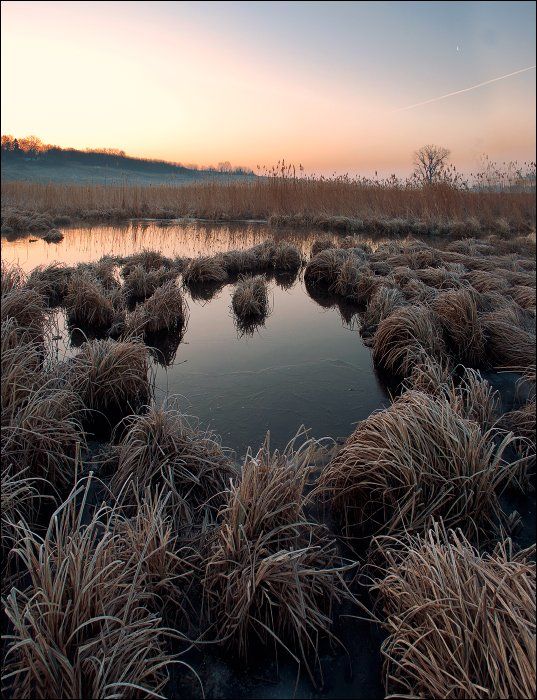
x=337 y=87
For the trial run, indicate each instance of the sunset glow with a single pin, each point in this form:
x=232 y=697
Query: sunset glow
x=250 y=83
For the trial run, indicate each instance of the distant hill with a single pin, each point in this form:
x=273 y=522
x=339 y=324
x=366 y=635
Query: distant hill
x=28 y=159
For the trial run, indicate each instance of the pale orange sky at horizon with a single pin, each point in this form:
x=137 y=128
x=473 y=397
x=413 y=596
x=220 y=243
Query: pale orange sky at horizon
x=250 y=84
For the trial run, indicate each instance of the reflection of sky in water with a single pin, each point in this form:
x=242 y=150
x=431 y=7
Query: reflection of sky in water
x=305 y=366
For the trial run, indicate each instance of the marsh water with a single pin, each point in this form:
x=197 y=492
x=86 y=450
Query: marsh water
x=306 y=365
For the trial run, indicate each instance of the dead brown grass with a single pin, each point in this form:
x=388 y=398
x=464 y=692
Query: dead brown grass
x=415 y=461
x=273 y=574
x=406 y=337
x=337 y=203
x=87 y=304
x=457 y=313
x=82 y=626
x=460 y=624
x=384 y=301
x=250 y=298
x=165 y=310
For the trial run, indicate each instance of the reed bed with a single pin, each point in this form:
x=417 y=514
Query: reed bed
x=460 y=624
x=273 y=575
x=250 y=298
x=83 y=625
x=416 y=461
x=161 y=448
x=338 y=203
x=111 y=375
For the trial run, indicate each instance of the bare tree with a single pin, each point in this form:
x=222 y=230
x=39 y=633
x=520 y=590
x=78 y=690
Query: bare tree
x=430 y=163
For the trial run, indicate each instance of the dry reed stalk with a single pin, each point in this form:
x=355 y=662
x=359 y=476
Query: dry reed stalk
x=460 y=624
x=111 y=375
x=273 y=574
x=415 y=461
x=162 y=448
x=250 y=298
x=457 y=313
x=83 y=626
x=405 y=337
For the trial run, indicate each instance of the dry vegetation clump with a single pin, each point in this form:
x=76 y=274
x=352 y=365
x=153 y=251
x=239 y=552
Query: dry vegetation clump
x=510 y=337
x=521 y=422
x=416 y=461
x=238 y=262
x=457 y=313
x=111 y=375
x=21 y=364
x=460 y=624
x=103 y=271
x=440 y=277
x=140 y=283
x=320 y=244
x=27 y=308
x=264 y=254
x=383 y=302
x=82 y=626
x=12 y=277
x=51 y=281
x=483 y=281
x=42 y=433
x=165 y=310
x=273 y=574
x=348 y=277
x=286 y=257
x=417 y=292
x=522 y=295
x=405 y=337
x=324 y=268
x=204 y=271
x=87 y=304
x=162 y=448
x=148 y=259
x=250 y=298
x=54 y=235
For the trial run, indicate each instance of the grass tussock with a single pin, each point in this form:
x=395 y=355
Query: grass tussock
x=383 y=302
x=86 y=303
x=416 y=461
x=510 y=337
x=457 y=313
x=406 y=337
x=147 y=259
x=460 y=624
x=523 y=295
x=82 y=626
x=324 y=268
x=140 y=283
x=27 y=309
x=165 y=310
x=273 y=574
x=51 y=281
x=320 y=244
x=162 y=448
x=250 y=298
x=286 y=257
x=204 y=270
x=12 y=277
x=111 y=375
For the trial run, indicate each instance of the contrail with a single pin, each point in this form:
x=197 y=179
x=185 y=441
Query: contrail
x=458 y=92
